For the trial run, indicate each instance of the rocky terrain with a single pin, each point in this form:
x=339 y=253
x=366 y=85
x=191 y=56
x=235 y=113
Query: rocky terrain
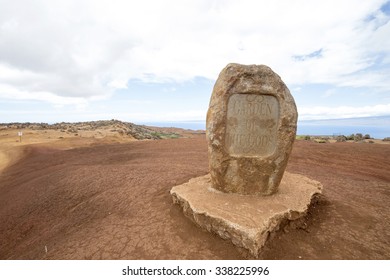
x=125 y=129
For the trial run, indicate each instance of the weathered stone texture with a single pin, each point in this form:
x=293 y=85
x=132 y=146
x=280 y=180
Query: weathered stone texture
x=251 y=126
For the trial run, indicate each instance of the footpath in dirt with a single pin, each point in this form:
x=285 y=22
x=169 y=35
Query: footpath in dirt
x=112 y=201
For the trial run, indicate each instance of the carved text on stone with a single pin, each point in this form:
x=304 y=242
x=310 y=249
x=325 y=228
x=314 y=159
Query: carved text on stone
x=251 y=128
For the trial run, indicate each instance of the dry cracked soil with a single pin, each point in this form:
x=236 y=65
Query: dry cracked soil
x=112 y=201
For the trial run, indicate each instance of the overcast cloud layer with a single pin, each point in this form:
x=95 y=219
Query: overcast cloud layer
x=77 y=52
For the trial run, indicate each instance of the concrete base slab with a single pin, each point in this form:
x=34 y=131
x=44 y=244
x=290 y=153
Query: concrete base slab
x=245 y=219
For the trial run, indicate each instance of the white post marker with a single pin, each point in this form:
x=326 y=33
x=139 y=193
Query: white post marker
x=20 y=134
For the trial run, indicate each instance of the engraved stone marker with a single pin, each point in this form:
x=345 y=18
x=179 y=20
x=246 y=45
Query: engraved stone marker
x=251 y=126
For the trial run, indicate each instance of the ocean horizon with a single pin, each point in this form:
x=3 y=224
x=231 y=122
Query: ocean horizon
x=377 y=127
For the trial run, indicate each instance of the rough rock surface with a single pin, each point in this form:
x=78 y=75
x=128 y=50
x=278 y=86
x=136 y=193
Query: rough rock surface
x=246 y=220
x=251 y=126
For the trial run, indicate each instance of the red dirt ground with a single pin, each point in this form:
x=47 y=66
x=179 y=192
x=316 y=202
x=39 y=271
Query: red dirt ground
x=112 y=202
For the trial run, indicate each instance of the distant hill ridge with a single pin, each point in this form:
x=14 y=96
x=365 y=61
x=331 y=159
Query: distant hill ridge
x=139 y=132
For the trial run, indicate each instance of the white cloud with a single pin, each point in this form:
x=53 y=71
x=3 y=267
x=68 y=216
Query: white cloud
x=13 y=93
x=322 y=112
x=67 y=51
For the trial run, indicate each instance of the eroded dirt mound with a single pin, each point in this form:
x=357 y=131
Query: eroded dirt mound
x=112 y=202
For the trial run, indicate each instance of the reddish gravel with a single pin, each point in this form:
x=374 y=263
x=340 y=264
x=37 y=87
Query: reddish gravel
x=112 y=202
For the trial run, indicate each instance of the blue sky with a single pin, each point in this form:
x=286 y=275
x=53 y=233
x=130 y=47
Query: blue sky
x=157 y=61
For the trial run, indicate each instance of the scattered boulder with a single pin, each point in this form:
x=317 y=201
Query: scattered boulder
x=341 y=138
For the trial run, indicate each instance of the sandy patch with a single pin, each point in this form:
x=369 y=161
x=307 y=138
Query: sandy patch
x=12 y=149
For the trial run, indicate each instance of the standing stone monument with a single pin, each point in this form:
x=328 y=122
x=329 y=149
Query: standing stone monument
x=251 y=127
